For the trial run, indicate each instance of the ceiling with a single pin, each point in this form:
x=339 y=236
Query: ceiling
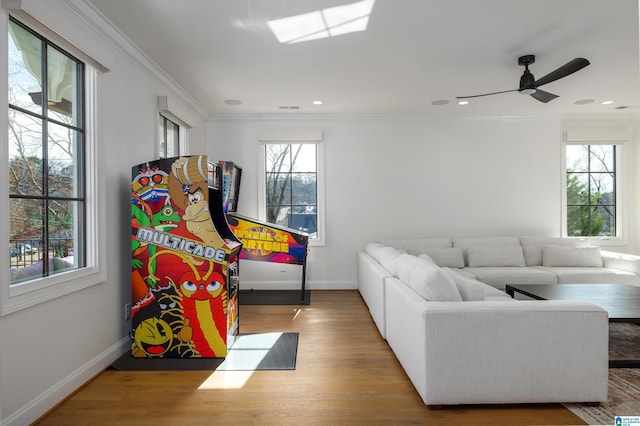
x=412 y=53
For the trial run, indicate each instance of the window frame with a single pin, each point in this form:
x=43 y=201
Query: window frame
x=176 y=115
x=296 y=139
x=620 y=237
x=29 y=293
x=163 y=133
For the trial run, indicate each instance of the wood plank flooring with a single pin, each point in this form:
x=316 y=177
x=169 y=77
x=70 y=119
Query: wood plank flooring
x=346 y=374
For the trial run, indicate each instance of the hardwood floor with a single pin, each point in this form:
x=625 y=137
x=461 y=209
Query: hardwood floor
x=345 y=374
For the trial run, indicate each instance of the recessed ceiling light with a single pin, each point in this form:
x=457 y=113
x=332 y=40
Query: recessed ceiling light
x=583 y=101
x=463 y=103
x=233 y=102
x=440 y=102
x=317 y=102
x=607 y=102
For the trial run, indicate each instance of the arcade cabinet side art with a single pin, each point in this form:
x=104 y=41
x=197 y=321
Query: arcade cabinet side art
x=179 y=263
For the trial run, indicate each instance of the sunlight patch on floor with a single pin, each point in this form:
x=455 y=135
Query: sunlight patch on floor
x=242 y=359
x=226 y=380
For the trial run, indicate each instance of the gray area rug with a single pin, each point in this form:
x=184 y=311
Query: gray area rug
x=624 y=383
x=250 y=352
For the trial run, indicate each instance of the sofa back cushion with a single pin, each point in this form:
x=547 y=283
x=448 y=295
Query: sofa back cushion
x=417 y=246
x=388 y=257
x=451 y=257
x=404 y=265
x=571 y=256
x=532 y=247
x=474 y=290
x=467 y=243
x=495 y=256
x=374 y=250
x=433 y=283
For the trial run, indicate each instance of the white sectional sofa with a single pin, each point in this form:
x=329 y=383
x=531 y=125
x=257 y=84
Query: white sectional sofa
x=461 y=340
x=499 y=261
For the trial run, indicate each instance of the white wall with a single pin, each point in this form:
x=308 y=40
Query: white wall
x=408 y=177
x=51 y=349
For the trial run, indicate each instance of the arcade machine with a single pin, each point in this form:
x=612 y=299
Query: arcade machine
x=262 y=241
x=184 y=261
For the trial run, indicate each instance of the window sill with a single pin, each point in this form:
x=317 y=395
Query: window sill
x=31 y=293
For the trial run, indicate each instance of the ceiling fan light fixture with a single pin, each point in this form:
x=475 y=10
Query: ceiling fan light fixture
x=528 y=91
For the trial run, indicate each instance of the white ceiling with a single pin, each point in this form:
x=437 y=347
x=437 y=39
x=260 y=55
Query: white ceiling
x=412 y=53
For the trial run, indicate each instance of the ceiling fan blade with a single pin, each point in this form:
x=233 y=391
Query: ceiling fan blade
x=569 y=68
x=486 y=94
x=543 y=96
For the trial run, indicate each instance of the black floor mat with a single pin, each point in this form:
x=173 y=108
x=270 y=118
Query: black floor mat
x=250 y=352
x=274 y=297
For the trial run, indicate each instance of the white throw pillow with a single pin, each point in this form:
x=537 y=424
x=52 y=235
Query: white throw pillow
x=427 y=258
x=452 y=257
x=495 y=256
x=469 y=290
x=388 y=257
x=571 y=256
x=404 y=265
x=433 y=283
x=472 y=290
x=374 y=249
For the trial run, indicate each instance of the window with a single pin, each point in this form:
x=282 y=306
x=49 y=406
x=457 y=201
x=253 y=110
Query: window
x=50 y=159
x=591 y=190
x=173 y=127
x=292 y=186
x=46 y=167
x=169 y=138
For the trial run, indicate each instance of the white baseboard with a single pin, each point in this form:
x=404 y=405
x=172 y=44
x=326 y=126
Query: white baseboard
x=65 y=387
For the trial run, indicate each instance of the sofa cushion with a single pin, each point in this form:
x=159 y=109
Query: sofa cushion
x=432 y=283
x=590 y=275
x=571 y=256
x=486 y=242
x=466 y=243
x=404 y=265
x=374 y=249
x=417 y=246
x=474 y=290
x=465 y=272
x=499 y=277
x=495 y=256
x=451 y=257
x=388 y=256
x=532 y=246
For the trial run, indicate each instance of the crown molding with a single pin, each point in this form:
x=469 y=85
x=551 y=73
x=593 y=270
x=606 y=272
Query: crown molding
x=89 y=14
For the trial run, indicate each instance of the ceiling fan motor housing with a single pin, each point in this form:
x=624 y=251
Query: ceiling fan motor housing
x=527 y=81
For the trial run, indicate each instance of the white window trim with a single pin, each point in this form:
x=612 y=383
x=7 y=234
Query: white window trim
x=310 y=137
x=24 y=295
x=171 y=112
x=601 y=137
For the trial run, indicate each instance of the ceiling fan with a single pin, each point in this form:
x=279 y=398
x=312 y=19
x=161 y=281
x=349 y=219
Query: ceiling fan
x=529 y=85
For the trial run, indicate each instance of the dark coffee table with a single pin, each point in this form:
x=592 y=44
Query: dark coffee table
x=621 y=301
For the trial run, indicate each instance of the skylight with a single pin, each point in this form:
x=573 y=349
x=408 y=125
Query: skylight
x=330 y=22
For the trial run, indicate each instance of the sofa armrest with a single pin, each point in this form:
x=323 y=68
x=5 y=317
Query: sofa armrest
x=495 y=352
x=371 y=276
x=623 y=261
